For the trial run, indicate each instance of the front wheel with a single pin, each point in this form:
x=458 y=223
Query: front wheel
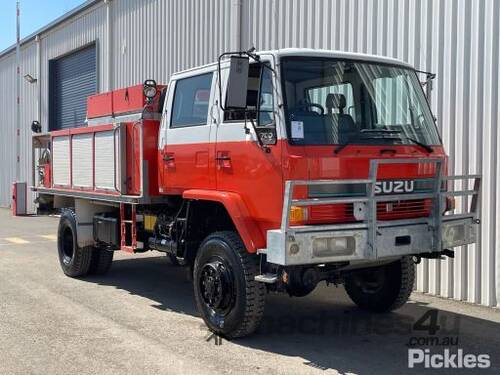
x=384 y=288
x=228 y=298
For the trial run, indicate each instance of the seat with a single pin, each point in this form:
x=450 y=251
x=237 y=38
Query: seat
x=342 y=125
x=315 y=132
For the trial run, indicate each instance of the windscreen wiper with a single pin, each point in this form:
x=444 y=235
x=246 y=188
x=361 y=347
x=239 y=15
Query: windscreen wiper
x=400 y=136
x=391 y=133
x=427 y=148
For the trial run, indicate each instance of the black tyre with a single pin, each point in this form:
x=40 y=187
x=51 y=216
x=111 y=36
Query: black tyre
x=74 y=260
x=228 y=298
x=384 y=288
x=101 y=261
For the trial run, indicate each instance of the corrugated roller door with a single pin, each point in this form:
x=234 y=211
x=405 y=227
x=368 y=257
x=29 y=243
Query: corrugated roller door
x=72 y=79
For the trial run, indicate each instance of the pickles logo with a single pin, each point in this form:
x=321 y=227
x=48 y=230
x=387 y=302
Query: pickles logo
x=448 y=359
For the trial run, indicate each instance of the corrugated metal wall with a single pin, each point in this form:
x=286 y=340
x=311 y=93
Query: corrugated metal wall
x=7 y=126
x=157 y=38
x=457 y=39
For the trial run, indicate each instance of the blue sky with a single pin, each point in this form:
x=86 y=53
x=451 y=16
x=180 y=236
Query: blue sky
x=34 y=15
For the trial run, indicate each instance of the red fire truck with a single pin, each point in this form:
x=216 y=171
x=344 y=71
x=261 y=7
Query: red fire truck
x=262 y=172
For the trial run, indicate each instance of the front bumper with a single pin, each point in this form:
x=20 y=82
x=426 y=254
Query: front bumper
x=371 y=239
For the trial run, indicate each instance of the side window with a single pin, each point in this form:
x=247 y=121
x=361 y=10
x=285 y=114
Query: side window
x=266 y=109
x=191 y=99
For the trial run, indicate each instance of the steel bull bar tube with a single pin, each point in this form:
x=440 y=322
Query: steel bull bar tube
x=369 y=238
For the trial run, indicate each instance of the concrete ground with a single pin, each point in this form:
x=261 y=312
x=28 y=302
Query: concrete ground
x=141 y=319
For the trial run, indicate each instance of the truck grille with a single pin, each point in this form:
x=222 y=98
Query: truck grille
x=343 y=213
x=404 y=209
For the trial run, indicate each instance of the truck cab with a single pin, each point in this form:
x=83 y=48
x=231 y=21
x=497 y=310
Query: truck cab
x=281 y=169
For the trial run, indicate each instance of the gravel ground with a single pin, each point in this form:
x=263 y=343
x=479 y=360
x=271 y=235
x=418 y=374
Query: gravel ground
x=141 y=319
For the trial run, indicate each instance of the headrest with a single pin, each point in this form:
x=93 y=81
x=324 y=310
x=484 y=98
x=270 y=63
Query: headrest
x=335 y=101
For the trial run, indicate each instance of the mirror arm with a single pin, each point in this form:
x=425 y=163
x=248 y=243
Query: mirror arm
x=259 y=141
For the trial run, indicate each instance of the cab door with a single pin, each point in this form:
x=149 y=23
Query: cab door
x=242 y=165
x=185 y=145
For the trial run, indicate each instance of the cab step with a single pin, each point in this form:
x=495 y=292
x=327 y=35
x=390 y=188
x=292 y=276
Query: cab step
x=267 y=278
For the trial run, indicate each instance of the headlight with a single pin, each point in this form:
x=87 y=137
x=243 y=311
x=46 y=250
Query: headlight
x=330 y=246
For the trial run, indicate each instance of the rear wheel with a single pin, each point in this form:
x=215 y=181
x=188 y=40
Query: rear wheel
x=229 y=299
x=384 y=288
x=74 y=260
x=101 y=261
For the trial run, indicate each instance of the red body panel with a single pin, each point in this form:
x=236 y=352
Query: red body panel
x=132 y=99
x=150 y=152
x=129 y=99
x=100 y=105
x=121 y=101
x=186 y=166
x=257 y=177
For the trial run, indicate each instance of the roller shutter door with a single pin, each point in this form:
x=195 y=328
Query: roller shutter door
x=72 y=79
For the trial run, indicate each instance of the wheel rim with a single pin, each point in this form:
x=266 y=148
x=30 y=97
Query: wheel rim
x=216 y=287
x=67 y=245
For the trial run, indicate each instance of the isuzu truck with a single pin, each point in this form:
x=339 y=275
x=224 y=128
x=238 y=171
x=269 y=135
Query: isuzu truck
x=263 y=172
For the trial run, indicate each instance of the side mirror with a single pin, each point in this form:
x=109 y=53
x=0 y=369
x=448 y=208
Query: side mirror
x=427 y=84
x=237 y=83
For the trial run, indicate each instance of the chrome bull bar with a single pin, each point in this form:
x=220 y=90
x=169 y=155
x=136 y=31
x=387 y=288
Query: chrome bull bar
x=371 y=238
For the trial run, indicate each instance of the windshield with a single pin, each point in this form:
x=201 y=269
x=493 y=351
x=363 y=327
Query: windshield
x=334 y=102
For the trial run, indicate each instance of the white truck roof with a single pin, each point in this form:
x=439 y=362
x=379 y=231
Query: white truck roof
x=335 y=54
x=317 y=53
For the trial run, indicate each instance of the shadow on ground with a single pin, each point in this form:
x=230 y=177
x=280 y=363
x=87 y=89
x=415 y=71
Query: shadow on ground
x=324 y=328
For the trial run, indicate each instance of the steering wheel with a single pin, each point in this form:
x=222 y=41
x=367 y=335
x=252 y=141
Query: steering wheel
x=306 y=106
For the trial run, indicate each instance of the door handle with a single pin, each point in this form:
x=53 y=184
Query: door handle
x=168 y=157
x=223 y=160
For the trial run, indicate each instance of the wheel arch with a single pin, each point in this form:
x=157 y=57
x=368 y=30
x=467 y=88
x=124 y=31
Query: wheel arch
x=237 y=211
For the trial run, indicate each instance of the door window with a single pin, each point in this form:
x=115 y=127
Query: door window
x=266 y=105
x=191 y=99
